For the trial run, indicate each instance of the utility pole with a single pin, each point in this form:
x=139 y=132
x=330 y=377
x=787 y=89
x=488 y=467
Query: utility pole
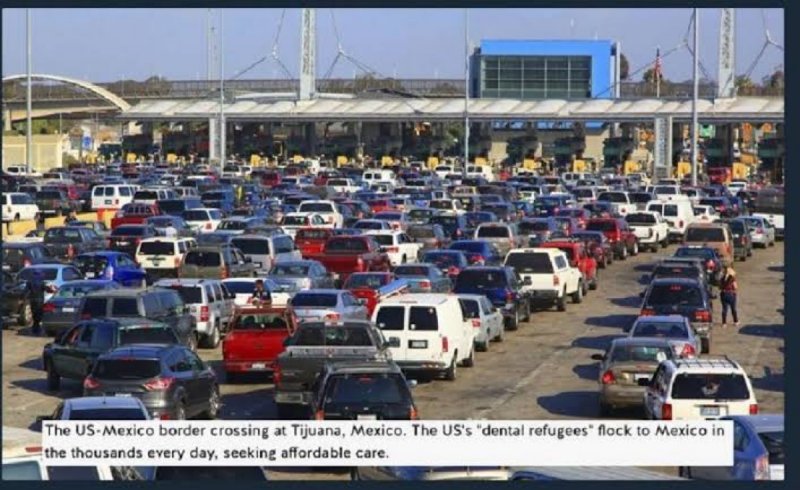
x=466 y=91
x=28 y=96
x=695 y=126
x=222 y=143
x=213 y=144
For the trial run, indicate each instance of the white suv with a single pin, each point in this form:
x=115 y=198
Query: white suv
x=547 y=274
x=162 y=256
x=697 y=389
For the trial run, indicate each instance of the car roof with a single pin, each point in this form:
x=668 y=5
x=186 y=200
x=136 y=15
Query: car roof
x=151 y=351
x=662 y=319
x=95 y=402
x=416 y=299
x=183 y=282
x=640 y=341
x=362 y=367
x=675 y=280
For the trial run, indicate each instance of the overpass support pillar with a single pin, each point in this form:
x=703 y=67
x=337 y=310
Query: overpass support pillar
x=213 y=147
x=310 y=133
x=7 y=120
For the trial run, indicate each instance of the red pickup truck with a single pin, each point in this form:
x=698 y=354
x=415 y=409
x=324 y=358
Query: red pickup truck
x=374 y=287
x=579 y=257
x=255 y=339
x=311 y=241
x=134 y=213
x=344 y=255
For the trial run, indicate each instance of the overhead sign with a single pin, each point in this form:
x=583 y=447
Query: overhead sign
x=86 y=142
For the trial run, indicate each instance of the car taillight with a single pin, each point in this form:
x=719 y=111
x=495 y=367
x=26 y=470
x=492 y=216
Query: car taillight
x=176 y=261
x=453 y=271
x=276 y=375
x=445 y=344
x=608 y=378
x=359 y=264
x=208 y=225
x=762 y=468
x=710 y=265
x=159 y=384
x=224 y=272
x=204 y=314
x=754 y=409
x=688 y=351
x=332 y=317
x=26 y=263
x=164 y=416
x=459 y=232
x=425 y=284
x=666 y=411
x=476 y=322
x=70 y=251
x=556 y=280
x=647 y=312
x=702 y=316
x=89 y=383
x=413 y=413
x=511 y=296
x=48 y=308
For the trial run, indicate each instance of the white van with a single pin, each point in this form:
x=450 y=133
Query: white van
x=18 y=206
x=375 y=176
x=150 y=196
x=427 y=333
x=266 y=251
x=677 y=214
x=112 y=196
x=484 y=171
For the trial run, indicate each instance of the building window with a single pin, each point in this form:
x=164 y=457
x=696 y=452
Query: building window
x=536 y=77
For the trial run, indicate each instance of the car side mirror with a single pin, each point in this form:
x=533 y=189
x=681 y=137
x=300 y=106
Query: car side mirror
x=598 y=357
x=412 y=383
x=644 y=382
x=527 y=281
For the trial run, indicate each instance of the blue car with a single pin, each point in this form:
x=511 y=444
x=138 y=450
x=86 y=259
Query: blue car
x=758 y=451
x=478 y=252
x=116 y=266
x=60 y=310
x=53 y=275
x=501 y=286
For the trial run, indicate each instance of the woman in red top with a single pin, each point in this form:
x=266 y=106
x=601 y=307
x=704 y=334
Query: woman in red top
x=728 y=289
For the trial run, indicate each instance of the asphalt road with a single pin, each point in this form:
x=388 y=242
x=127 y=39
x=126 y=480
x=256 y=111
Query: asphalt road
x=542 y=371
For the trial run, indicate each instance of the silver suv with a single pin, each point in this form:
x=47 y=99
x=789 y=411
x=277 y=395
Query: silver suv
x=209 y=302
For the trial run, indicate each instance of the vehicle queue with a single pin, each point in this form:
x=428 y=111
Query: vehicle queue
x=349 y=285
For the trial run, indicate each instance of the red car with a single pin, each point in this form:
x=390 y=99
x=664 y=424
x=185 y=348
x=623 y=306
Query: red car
x=623 y=241
x=311 y=241
x=344 y=255
x=579 y=257
x=380 y=205
x=134 y=213
x=271 y=179
x=255 y=339
x=374 y=287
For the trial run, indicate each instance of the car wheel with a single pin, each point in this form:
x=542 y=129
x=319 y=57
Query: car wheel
x=527 y=316
x=213 y=404
x=193 y=341
x=180 y=411
x=482 y=346
x=512 y=323
x=26 y=315
x=593 y=284
x=561 y=303
x=53 y=379
x=705 y=345
x=665 y=243
x=635 y=250
x=624 y=254
x=685 y=472
x=452 y=372
x=577 y=296
x=211 y=341
x=470 y=361
x=584 y=288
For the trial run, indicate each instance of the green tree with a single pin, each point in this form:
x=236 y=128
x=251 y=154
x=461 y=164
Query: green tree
x=624 y=67
x=776 y=80
x=744 y=83
x=649 y=76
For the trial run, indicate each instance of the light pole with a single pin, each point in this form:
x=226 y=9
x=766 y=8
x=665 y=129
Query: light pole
x=694 y=96
x=222 y=143
x=28 y=96
x=466 y=91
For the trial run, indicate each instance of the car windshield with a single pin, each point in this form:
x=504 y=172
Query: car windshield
x=641 y=353
x=670 y=330
x=315 y=207
x=261 y=321
x=314 y=300
x=157 y=248
x=290 y=270
x=365 y=389
x=107 y=414
x=480 y=279
x=123 y=369
x=333 y=336
x=370 y=281
x=48 y=274
x=601 y=226
x=78 y=290
x=702 y=234
x=640 y=219
x=675 y=295
x=62 y=235
x=710 y=386
x=204 y=259
x=493 y=232
x=530 y=262
x=411 y=270
x=147 y=335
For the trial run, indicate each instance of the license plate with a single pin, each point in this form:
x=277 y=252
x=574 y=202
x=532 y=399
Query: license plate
x=258 y=365
x=68 y=309
x=108 y=201
x=418 y=344
x=258 y=264
x=294 y=398
x=90 y=275
x=366 y=417
x=123 y=243
x=122 y=395
x=6 y=267
x=637 y=377
x=709 y=411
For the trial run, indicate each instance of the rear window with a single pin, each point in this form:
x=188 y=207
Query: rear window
x=157 y=248
x=369 y=225
x=233 y=225
x=172 y=206
x=295 y=220
x=493 y=232
x=94 y=307
x=204 y=259
x=345 y=245
x=481 y=279
x=674 y=294
x=421 y=232
x=122 y=369
x=77 y=290
x=710 y=386
x=289 y=270
x=670 y=330
x=470 y=308
x=46 y=274
x=601 y=226
x=189 y=294
x=124 y=307
x=391 y=318
x=705 y=253
x=94 y=263
x=129 y=231
x=665 y=191
x=63 y=235
x=266 y=321
x=360 y=389
x=333 y=336
x=411 y=270
x=526 y=227
x=316 y=207
x=384 y=240
x=530 y=263
x=640 y=219
x=314 y=300
x=147 y=335
x=617 y=197
x=251 y=246
x=705 y=235
x=193 y=215
x=641 y=353
x=145 y=195
x=423 y=318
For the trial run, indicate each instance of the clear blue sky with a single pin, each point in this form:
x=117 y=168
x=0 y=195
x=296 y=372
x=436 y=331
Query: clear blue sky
x=108 y=44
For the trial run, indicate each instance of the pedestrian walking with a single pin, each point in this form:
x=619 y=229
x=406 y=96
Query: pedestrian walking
x=728 y=287
x=36 y=291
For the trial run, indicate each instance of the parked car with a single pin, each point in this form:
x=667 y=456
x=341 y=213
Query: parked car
x=742 y=243
x=579 y=258
x=60 y=311
x=301 y=274
x=504 y=236
x=400 y=247
x=424 y=278
x=502 y=286
x=216 y=262
x=202 y=220
x=171 y=380
x=73 y=354
x=374 y=287
x=430 y=237
x=126 y=238
x=484 y=317
x=65 y=242
x=547 y=277
x=598 y=245
x=255 y=340
x=619 y=234
x=99 y=408
x=478 y=252
x=329 y=305
x=210 y=304
x=53 y=275
x=762 y=232
x=715 y=235
x=676 y=329
x=116 y=266
x=19 y=206
x=682 y=296
x=17 y=255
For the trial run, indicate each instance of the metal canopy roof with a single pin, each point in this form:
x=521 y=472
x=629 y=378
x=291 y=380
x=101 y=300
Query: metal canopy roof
x=720 y=110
